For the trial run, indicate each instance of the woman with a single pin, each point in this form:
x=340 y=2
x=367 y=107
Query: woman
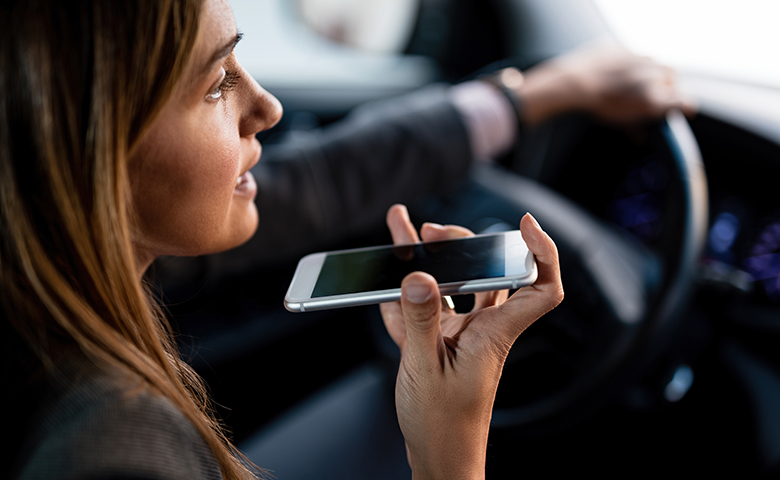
x=127 y=132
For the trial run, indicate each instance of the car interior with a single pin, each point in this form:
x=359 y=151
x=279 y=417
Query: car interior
x=658 y=361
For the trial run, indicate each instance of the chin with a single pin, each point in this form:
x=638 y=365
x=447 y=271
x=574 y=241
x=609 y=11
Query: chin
x=242 y=232
x=201 y=240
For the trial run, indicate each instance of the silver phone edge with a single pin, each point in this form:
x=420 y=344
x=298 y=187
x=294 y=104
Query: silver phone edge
x=311 y=305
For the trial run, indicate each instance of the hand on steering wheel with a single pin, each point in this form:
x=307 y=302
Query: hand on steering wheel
x=605 y=80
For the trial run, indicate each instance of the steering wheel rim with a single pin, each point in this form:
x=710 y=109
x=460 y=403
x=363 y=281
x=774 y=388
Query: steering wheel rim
x=641 y=294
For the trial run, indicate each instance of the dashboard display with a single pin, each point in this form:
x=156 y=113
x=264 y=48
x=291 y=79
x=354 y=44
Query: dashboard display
x=762 y=260
x=744 y=244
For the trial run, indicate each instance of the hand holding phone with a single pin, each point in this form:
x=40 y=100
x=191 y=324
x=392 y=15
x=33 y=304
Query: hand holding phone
x=451 y=363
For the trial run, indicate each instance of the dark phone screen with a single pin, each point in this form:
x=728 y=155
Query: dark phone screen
x=384 y=268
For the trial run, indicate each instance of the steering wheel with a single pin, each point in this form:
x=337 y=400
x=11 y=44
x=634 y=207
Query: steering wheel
x=623 y=297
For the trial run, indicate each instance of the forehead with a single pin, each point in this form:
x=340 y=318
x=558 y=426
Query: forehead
x=217 y=30
x=218 y=18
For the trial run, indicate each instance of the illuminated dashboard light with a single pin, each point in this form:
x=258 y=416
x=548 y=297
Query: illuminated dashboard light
x=681 y=382
x=723 y=233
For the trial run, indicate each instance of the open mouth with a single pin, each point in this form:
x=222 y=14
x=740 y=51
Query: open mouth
x=245 y=185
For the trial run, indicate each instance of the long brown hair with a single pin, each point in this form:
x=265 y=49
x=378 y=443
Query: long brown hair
x=80 y=81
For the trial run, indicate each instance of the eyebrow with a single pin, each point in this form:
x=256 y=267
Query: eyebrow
x=222 y=52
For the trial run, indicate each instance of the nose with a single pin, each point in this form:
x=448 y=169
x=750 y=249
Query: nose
x=260 y=109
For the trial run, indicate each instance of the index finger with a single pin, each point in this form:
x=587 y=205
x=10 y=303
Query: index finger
x=400 y=225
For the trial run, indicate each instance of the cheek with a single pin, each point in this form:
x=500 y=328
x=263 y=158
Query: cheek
x=183 y=185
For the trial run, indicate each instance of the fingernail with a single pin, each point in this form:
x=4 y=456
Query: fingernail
x=534 y=220
x=417 y=292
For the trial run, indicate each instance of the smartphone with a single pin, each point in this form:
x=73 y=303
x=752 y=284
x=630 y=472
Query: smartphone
x=364 y=276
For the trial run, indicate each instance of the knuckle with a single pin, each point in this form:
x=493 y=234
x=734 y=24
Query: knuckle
x=554 y=298
x=558 y=296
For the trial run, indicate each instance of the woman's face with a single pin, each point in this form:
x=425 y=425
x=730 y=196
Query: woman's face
x=191 y=190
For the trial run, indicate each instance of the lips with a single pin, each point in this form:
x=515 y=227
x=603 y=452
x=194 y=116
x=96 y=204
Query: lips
x=246 y=185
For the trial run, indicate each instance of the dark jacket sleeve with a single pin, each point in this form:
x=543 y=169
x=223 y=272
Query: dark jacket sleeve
x=322 y=186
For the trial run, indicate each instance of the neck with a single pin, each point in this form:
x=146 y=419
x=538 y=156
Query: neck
x=143 y=259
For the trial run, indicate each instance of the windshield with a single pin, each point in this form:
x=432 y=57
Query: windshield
x=722 y=38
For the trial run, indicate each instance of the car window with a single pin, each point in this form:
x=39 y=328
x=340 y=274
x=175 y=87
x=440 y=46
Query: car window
x=299 y=65
x=721 y=38
x=383 y=26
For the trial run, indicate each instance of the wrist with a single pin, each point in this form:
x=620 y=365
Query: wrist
x=550 y=90
x=509 y=82
x=456 y=451
x=451 y=465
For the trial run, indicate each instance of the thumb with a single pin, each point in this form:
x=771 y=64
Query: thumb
x=421 y=305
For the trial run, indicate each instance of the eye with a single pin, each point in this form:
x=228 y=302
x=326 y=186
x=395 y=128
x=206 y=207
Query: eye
x=229 y=81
